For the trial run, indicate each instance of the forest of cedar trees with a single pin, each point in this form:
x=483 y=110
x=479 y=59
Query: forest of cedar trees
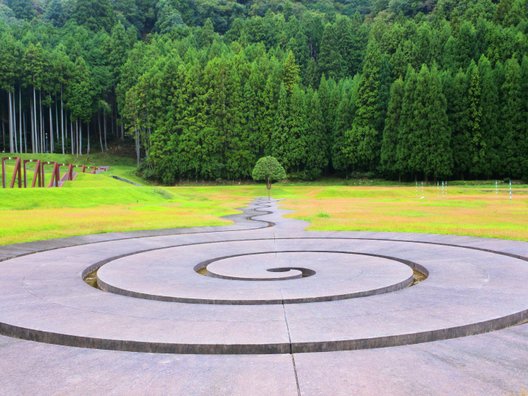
x=400 y=89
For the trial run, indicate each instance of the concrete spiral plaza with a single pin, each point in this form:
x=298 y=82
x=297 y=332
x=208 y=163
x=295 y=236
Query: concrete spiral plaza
x=265 y=307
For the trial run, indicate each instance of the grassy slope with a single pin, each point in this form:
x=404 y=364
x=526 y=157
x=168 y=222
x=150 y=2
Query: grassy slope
x=28 y=215
x=99 y=203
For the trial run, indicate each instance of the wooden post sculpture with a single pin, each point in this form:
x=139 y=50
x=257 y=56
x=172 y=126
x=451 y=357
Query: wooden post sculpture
x=3 y=173
x=37 y=175
x=17 y=174
x=24 y=166
x=55 y=175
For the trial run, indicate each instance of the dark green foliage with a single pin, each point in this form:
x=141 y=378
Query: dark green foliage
x=94 y=14
x=364 y=138
x=316 y=143
x=389 y=159
x=340 y=117
x=433 y=124
x=513 y=120
x=523 y=142
x=55 y=13
x=456 y=90
x=169 y=16
x=23 y=9
x=291 y=75
x=406 y=137
x=490 y=121
x=477 y=146
x=80 y=92
x=424 y=138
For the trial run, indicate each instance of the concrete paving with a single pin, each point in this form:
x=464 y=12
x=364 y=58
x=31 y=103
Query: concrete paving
x=203 y=311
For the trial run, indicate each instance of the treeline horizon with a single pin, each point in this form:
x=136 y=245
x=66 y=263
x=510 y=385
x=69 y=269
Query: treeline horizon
x=405 y=90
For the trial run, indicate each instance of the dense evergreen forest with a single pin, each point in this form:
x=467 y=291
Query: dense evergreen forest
x=405 y=89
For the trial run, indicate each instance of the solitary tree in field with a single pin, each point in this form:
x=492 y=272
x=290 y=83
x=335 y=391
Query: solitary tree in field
x=268 y=169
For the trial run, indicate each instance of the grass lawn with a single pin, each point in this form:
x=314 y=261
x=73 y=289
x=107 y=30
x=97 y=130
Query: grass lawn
x=99 y=203
x=472 y=210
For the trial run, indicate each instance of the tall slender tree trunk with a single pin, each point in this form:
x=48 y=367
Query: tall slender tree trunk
x=100 y=131
x=104 y=130
x=138 y=153
x=80 y=137
x=32 y=126
x=88 y=141
x=112 y=123
x=57 y=129
x=71 y=136
x=20 y=120
x=77 y=137
x=62 y=122
x=34 y=143
x=25 y=133
x=2 y=126
x=11 y=142
x=52 y=138
x=15 y=138
x=41 y=126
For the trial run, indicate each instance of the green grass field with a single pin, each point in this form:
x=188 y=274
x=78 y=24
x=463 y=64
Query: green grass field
x=100 y=203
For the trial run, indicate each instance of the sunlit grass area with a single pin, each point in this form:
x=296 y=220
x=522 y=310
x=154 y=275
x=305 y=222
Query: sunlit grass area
x=101 y=204
x=476 y=210
x=35 y=214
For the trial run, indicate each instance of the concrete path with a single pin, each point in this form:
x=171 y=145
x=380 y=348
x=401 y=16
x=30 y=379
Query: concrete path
x=263 y=307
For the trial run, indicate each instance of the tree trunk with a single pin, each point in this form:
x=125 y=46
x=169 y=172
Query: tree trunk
x=62 y=122
x=72 y=141
x=25 y=133
x=20 y=120
x=80 y=136
x=11 y=142
x=42 y=128
x=57 y=129
x=100 y=131
x=3 y=132
x=137 y=146
x=15 y=138
x=104 y=131
x=112 y=124
x=88 y=141
x=35 y=144
x=52 y=138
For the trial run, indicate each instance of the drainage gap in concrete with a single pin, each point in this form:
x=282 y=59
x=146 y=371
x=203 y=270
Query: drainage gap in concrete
x=418 y=276
x=91 y=279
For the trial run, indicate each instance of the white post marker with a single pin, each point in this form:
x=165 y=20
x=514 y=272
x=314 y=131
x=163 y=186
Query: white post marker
x=510 y=190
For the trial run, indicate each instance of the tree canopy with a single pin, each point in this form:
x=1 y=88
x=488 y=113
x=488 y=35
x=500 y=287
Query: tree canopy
x=268 y=169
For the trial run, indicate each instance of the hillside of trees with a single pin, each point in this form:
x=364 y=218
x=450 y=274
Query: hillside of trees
x=404 y=89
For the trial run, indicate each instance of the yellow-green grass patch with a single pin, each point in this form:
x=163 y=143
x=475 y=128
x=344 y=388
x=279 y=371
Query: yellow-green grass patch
x=112 y=210
x=460 y=211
